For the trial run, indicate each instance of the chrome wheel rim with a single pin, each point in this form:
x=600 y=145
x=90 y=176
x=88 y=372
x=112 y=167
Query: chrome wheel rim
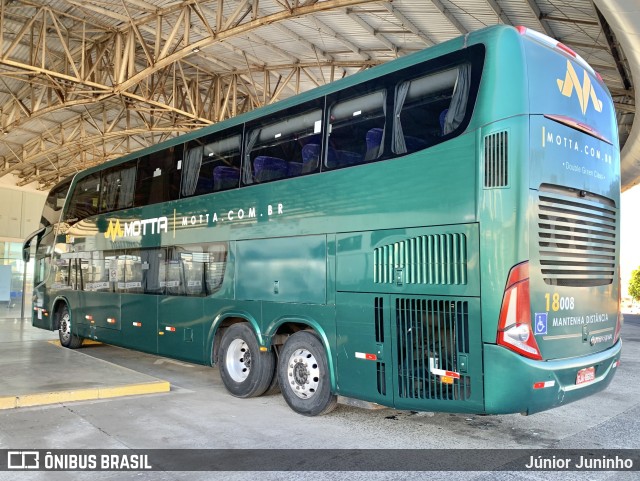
x=65 y=328
x=238 y=360
x=303 y=373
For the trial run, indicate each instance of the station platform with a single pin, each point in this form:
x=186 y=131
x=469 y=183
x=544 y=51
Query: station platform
x=36 y=371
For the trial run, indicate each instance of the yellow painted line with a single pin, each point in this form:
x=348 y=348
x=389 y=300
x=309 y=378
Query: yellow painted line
x=7 y=402
x=133 y=389
x=41 y=399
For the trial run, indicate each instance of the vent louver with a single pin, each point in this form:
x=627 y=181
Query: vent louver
x=576 y=238
x=427 y=259
x=496 y=165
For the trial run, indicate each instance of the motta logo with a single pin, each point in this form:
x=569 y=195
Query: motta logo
x=155 y=225
x=584 y=90
x=115 y=230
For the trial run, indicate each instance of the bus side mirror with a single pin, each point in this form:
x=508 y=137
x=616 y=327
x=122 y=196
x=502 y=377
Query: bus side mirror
x=26 y=255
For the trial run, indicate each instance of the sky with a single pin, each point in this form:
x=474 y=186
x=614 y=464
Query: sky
x=630 y=235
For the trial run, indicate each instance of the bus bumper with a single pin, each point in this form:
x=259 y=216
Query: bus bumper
x=510 y=379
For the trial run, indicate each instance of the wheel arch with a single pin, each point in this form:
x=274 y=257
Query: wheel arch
x=224 y=320
x=57 y=304
x=280 y=329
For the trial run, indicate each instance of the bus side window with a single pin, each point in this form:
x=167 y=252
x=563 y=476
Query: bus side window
x=97 y=273
x=211 y=166
x=173 y=275
x=276 y=151
x=118 y=184
x=84 y=201
x=152 y=259
x=216 y=267
x=193 y=262
x=428 y=108
x=356 y=129
x=158 y=176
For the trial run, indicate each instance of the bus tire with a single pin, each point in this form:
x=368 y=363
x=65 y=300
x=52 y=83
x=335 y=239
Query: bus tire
x=303 y=373
x=65 y=330
x=245 y=370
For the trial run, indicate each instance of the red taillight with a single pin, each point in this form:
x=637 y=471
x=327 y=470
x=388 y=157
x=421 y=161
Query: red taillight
x=514 y=328
x=521 y=30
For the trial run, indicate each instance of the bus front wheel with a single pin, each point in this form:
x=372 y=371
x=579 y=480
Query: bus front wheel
x=245 y=370
x=67 y=337
x=303 y=374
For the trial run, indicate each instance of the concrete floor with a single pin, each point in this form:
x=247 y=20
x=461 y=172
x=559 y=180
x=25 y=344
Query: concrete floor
x=198 y=413
x=36 y=372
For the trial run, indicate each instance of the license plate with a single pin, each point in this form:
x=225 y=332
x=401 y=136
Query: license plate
x=586 y=375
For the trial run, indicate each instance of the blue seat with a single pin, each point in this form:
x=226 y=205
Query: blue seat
x=346 y=158
x=373 y=140
x=225 y=177
x=414 y=143
x=294 y=169
x=267 y=168
x=310 y=157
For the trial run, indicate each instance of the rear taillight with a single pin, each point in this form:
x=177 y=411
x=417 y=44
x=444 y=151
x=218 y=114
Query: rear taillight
x=514 y=328
x=616 y=335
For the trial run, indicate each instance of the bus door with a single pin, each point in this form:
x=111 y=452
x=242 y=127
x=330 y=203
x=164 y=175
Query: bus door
x=140 y=292
x=180 y=311
x=99 y=315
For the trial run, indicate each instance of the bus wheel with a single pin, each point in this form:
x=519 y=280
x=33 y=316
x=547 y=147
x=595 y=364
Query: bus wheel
x=303 y=374
x=67 y=337
x=244 y=369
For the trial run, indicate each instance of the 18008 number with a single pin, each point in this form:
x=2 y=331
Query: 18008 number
x=555 y=302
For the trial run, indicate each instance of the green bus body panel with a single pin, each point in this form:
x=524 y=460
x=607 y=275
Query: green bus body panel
x=292 y=269
x=566 y=88
x=510 y=379
x=565 y=157
x=139 y=320
x=441 y=260
x=181 y=320
x=503 y=217
x=374 y=363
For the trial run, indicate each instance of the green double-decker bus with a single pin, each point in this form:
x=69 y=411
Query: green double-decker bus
x=440 y=232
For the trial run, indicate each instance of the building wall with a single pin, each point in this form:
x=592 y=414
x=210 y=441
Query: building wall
x=20 y=213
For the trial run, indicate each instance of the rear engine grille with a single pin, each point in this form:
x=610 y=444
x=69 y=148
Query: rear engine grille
x=432 y=335
x=576 y=238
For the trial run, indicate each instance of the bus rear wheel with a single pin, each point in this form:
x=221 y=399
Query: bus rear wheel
x=303 y=373
x=245 y=370
x=65 y=332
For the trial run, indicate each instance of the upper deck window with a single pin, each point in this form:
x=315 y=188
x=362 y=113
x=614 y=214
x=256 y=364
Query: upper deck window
x=84 y=201
x=429 y=108
x=279 y=150
x=356 y=129
x=211 y=166
x=158 y=176
x=118 y=185
x=54 y=204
